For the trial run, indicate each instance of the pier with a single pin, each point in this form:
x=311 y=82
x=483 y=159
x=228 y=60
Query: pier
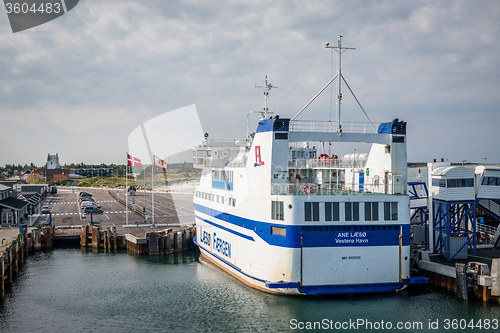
x=104 y=232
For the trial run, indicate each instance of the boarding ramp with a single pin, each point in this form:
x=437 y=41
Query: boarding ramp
x=496 y=241
x=490 y=207
x=486 y=233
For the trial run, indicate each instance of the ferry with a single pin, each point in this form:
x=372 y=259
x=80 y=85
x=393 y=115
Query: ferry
x=281 y=216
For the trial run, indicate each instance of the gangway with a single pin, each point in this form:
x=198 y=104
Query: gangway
x=419 y=212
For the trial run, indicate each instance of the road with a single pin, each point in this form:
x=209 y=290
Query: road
x=171 y=209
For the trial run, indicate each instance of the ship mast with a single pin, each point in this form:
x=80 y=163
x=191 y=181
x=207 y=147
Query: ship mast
x=267 y=87
x=339 y=50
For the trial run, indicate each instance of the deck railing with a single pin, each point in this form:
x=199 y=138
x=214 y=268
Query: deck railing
x=220 y=162
x=301 y=163
x=332 y=126
x=326 y=189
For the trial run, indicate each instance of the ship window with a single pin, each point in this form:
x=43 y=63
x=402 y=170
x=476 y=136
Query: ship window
x=199 y=153
x=278 y=231
x=277 y=210
x=332 y=211
x=371 y=211
x=311 y=211
x=352 y=211
x=390 y=211
x=281 y=136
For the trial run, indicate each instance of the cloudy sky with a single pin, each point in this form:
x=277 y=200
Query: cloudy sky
x=79 y=85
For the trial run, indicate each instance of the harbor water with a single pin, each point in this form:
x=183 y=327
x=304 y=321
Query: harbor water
x=74 y=290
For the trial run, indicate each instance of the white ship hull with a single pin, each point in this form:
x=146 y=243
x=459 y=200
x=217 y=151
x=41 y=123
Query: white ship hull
x=319 y=258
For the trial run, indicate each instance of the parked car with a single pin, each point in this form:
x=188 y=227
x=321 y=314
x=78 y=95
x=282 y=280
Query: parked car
x=45 y=210
x=85 y=194
x=93 y=209
x=83 y=199
x=90 y=204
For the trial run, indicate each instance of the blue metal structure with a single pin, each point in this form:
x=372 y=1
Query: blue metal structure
x=419 y=212
x=451 y=219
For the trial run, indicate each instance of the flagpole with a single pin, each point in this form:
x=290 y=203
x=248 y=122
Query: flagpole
x=126 y=190
x=153 y=189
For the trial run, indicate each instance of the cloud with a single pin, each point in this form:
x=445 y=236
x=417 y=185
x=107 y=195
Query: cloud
x=107 y=66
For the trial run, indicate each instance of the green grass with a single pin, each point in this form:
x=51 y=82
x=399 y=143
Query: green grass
x=160 y=179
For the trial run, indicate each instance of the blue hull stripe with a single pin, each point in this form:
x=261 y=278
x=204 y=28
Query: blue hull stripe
x=315 y=290
x=318 y=236
x=226 y=229
x=225 y=261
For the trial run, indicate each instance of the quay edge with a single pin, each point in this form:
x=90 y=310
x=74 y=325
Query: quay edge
x=471 y=280
x=17 y=244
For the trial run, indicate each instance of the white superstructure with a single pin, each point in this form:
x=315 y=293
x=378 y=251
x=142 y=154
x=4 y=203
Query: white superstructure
x=284 y=218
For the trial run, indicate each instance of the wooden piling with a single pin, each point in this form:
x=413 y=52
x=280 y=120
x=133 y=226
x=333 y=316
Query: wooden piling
x=10 y=265
x=47 y=237
x=37 y=235
x=95 y=237
x=2 y=278
x=83 y=235
x=154 y=246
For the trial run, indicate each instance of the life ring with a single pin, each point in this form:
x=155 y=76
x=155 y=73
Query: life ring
x=307 y=189
x=63 y=220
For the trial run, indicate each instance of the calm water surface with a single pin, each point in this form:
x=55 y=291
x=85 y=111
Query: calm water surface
x=67 y=290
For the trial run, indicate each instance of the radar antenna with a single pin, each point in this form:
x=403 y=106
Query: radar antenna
x=267 y=87
x=339 y=49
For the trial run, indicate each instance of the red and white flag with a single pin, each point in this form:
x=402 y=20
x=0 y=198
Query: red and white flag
x=133 y=161
x=160 y=163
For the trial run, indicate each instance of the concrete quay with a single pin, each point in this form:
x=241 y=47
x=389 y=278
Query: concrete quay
x=477 y=277
x=104 y=232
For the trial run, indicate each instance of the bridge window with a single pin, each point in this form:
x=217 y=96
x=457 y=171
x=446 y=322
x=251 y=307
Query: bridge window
x=332 y=211
x=390 y=211
x=311 y=211
x=491 y=181
x=277 y=210
x=439 y=182
x=371 y=211
x=462 y=182
x=352 y=211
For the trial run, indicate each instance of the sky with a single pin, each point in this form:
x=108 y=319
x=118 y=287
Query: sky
x=80 y=84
